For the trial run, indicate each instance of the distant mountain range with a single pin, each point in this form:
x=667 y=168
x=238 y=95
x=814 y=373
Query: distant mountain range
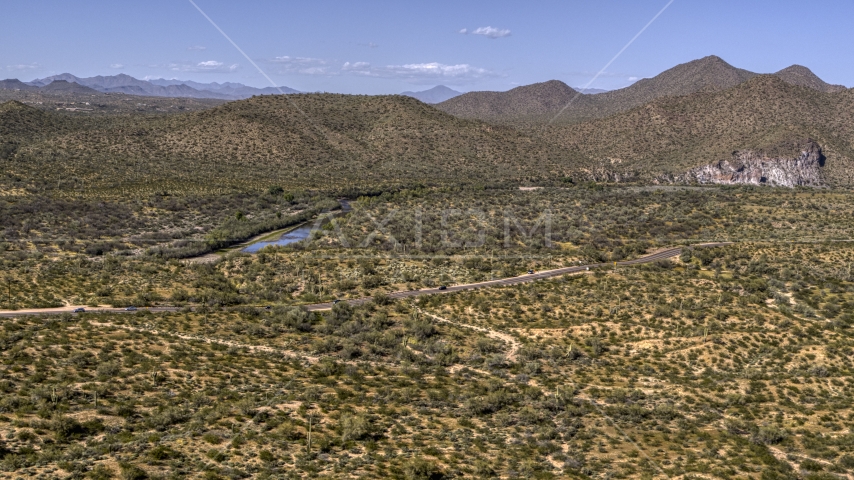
x=436 y=94
x=126 y=84
x=160 y=87
x=231 y=89
x=544 y=102
x=15 y=84
x=442 y=93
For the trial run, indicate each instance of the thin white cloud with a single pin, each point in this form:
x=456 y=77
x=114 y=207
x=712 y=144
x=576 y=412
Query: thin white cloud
x=197 y=47
x=117 y=65
x=489 y=32
x=357 y=66
x=302 y=65
x=416 y=73
x=421 y=72
x=215 y=66
x=208 y=66
x=24 y=66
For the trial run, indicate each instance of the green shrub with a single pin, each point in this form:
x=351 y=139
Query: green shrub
x=216 y=455
x=101 y=472
x=163 y=452
x=266 y=456
x=769 y=435
x=212 y=438
x=354 y=427
x=421 y=469
x=811 y=465
x=132 y=472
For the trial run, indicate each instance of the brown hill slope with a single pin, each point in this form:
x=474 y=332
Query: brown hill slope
x=310 y=140
x=535 y=103
x=344 y=142
x=540 y=103
x=17 y=118
x=521 y=106
x=671 y=135
x=709 y=73
x=19 y=121
x=804 y=77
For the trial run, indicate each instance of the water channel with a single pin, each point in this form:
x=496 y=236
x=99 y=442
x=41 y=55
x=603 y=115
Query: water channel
x=296 y=235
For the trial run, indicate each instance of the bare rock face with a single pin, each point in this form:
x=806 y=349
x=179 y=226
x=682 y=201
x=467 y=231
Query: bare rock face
x=757 y=168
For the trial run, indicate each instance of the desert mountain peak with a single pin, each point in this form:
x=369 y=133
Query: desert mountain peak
x=804 y=77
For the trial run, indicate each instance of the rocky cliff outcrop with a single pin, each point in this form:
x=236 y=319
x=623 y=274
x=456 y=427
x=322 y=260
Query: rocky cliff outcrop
x=759 y=168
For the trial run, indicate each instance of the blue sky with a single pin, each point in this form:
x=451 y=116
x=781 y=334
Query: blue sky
x=374 y=47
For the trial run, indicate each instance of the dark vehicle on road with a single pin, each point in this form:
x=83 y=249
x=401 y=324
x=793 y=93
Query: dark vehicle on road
x=130 y=309
x=443 y=287
x=79 y=310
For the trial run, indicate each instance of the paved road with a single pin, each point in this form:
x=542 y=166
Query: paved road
x=662 y=255
x=502 y=282
x=61 y=310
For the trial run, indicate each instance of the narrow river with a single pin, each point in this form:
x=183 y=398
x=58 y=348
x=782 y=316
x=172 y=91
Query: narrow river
x=298 y=234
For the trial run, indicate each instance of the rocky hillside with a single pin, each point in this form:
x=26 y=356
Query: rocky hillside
x=674 y=135
x=803 y=169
